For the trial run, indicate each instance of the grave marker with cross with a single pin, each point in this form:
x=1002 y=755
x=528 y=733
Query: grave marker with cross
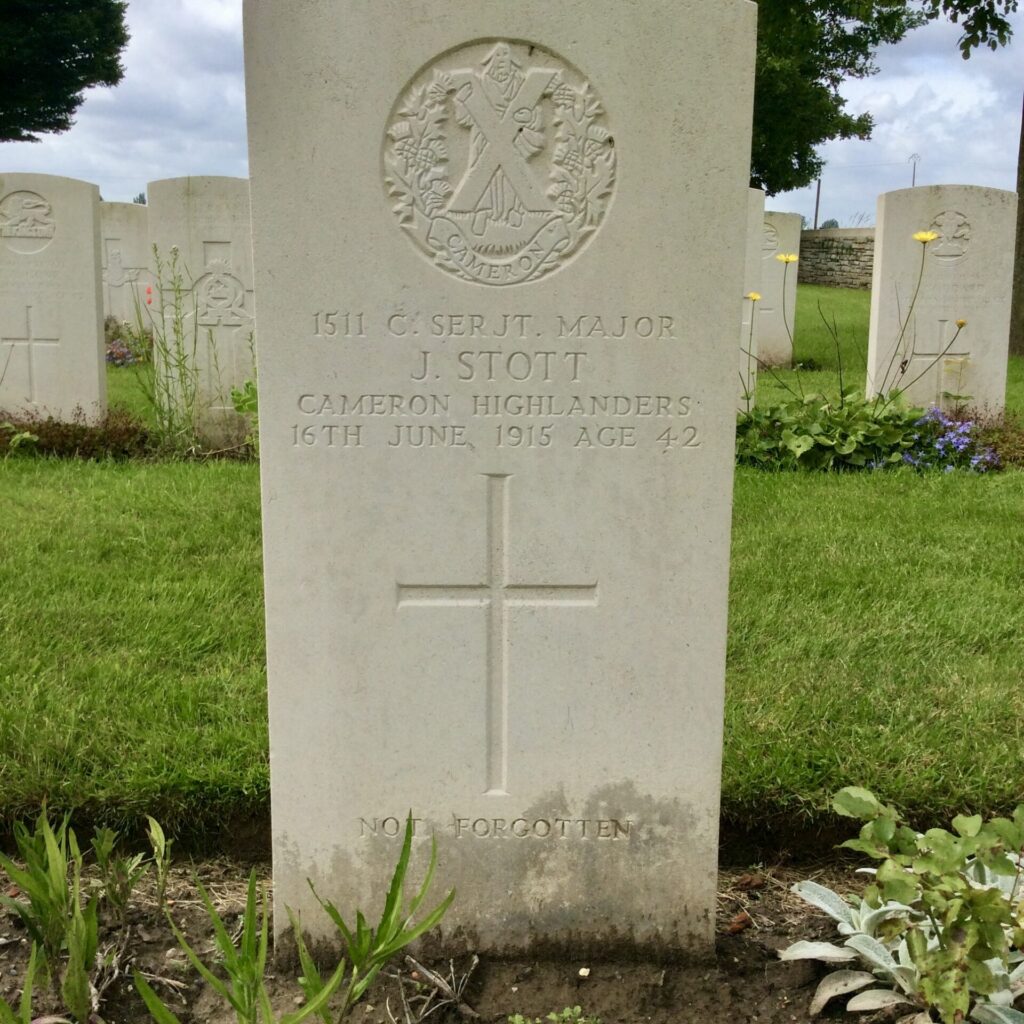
x=939 y=370
x=497 y=594
x=29 y=343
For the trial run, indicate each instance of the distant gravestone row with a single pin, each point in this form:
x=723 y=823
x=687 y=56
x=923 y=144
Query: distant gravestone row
x=67 y=260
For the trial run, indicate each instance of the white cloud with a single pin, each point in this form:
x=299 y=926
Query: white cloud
x=963 y=118
x=181 y=110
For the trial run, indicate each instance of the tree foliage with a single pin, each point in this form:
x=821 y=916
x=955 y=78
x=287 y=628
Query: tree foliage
x=51 y=51
x=805 y=50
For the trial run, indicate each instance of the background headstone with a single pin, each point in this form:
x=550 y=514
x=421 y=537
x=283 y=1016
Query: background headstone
x=51 y=320
x=127 y=256
x=751 y=283
x=968 y=271
x=777 y=307
x=497 y=424
x=208 y=219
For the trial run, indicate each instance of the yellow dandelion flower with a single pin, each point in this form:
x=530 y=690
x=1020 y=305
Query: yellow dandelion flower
x=753 y=296
x=924 y=237
x=787 y=257
x=961 y=324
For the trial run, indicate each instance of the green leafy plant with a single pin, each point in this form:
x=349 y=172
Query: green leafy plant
x=161 y=847
x=48 y=902
x=243 y=963
x=23 y=1014
x=368 y=948
x=820 y=433
x=80 y=995
x=170 y=380
x=65 y=932
x=941 y=926
x=18 y=439
x=245 y=401
x=118 y=875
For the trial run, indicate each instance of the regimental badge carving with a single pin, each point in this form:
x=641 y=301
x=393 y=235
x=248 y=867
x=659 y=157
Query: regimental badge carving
x=500 y=162
x=770 y=241
x=954 y=239
x=26 y=222
x=220 y=298
x=116 y=273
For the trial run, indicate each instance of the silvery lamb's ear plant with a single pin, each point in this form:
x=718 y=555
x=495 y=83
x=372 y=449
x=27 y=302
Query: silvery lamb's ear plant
x=939 y=930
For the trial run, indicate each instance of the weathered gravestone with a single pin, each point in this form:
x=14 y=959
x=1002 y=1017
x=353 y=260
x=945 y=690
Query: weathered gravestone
x=751 y=285
x=208 y=220
x=498 y=249
x=127 y=255
x=965 y=273
x=51 y=320
x=776 y=312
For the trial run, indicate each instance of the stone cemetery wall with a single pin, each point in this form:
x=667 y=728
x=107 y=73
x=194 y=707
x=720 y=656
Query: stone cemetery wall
x=497 y=423
x=208 y=220
x=838 y=257
x=968 y=271
x=51 y=321
x=751 y=283
x=777 y=309
x=127 y=256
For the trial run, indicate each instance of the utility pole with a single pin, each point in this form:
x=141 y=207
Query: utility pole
x=817 y=204
x=915 y=159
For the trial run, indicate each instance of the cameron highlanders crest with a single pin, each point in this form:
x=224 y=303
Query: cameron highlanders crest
x=499 y=162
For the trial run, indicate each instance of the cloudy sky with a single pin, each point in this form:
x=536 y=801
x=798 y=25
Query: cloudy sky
x=181 y=110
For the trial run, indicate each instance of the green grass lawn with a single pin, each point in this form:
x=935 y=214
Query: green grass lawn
x=813 y=344
x=876 y=637
x=125 y=391
x=131 y=639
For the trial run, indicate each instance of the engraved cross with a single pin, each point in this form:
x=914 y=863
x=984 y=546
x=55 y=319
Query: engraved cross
x=936 y=365
x=497 y=595
x=30 y=343
x=499 y=131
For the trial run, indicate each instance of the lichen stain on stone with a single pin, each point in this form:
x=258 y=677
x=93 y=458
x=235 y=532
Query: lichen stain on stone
x=645 y=894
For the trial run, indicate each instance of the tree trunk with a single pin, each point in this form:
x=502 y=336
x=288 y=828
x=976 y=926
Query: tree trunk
x=1017 y=303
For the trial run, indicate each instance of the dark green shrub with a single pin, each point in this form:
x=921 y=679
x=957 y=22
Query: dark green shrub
x=119 y=435
x=821 y=433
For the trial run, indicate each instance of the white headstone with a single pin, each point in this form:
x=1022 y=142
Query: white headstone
x=127 y=255
x=751 y=285
x=208 y=219
x=497 y=424
x=776 y=313
x=51 y=320
x=915 y=346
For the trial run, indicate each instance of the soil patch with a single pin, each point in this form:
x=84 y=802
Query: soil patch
x=743 y=983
